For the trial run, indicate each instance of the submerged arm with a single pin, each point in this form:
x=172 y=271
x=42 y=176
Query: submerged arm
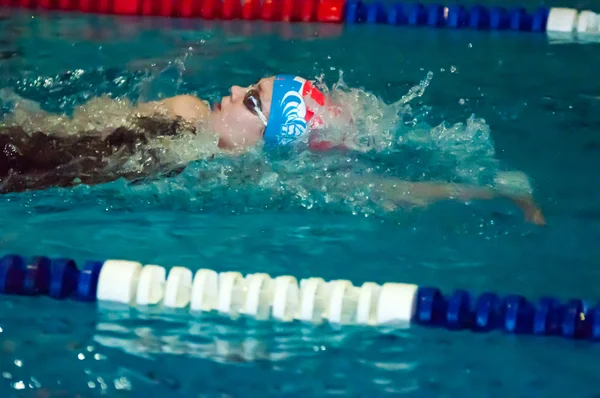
x=423 y=193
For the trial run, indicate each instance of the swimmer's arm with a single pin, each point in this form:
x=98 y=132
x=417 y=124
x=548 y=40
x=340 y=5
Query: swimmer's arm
x=421 y=193
x=187 y=107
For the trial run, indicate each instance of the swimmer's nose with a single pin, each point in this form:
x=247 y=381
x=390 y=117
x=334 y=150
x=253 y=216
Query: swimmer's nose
x=237 y=93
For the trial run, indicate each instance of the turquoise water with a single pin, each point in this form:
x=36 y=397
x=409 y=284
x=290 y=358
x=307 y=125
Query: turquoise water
x=540 y=101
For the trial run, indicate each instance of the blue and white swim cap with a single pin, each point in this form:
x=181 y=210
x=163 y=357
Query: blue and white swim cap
x=290 y=118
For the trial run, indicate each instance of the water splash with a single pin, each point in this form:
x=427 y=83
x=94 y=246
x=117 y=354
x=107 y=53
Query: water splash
x=166 y=82
x=466 y=147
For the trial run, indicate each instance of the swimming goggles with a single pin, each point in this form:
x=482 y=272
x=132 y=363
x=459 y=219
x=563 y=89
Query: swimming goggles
x=252 y=102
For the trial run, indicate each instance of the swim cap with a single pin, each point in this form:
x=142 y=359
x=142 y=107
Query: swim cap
x=290 y=117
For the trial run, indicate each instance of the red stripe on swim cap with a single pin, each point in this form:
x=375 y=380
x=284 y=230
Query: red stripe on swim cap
x=311 y=91
x=309 y=114
x=316 y=143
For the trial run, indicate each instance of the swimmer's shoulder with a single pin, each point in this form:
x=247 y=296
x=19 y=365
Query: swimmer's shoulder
x=186 y=106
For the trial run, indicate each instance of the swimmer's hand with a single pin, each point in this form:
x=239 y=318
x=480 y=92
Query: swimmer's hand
x=533 y=213
x=515 y=186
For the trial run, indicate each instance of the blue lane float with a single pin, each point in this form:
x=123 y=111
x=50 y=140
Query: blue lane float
x=576 y=319
x=37 y=276
x=540 y=19
x=286 y=299
x=454 y=16
x=88 y=281
x=458 y=17
x=477 y=17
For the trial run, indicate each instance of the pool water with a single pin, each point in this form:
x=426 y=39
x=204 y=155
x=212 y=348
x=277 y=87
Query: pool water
x=538 y=98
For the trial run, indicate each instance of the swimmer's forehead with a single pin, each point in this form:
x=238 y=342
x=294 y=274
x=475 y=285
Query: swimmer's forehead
x=265 y=87
x=266 y=83
x=266 y=80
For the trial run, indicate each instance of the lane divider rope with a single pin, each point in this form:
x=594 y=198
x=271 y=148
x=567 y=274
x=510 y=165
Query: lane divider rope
x=285 y=299
x=454 y=16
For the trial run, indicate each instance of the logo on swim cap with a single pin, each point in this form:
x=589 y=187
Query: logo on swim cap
x=289 y=116
x=294 y=114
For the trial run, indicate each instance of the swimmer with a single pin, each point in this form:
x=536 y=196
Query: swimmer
x=276 y=112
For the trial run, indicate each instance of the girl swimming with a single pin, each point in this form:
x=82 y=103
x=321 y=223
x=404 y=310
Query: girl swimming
x=276 y=112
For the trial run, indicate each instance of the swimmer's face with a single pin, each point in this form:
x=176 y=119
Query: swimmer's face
x=237 y=126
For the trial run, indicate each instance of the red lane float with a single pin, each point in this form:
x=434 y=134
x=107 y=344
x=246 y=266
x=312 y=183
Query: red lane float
x=186 y=8
x=308 y=11
x=271 y=10
x=330 y=11
x=126 y=7
x=231 y=9
x=45 y=4
x=209 y=9
x=251 y=9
